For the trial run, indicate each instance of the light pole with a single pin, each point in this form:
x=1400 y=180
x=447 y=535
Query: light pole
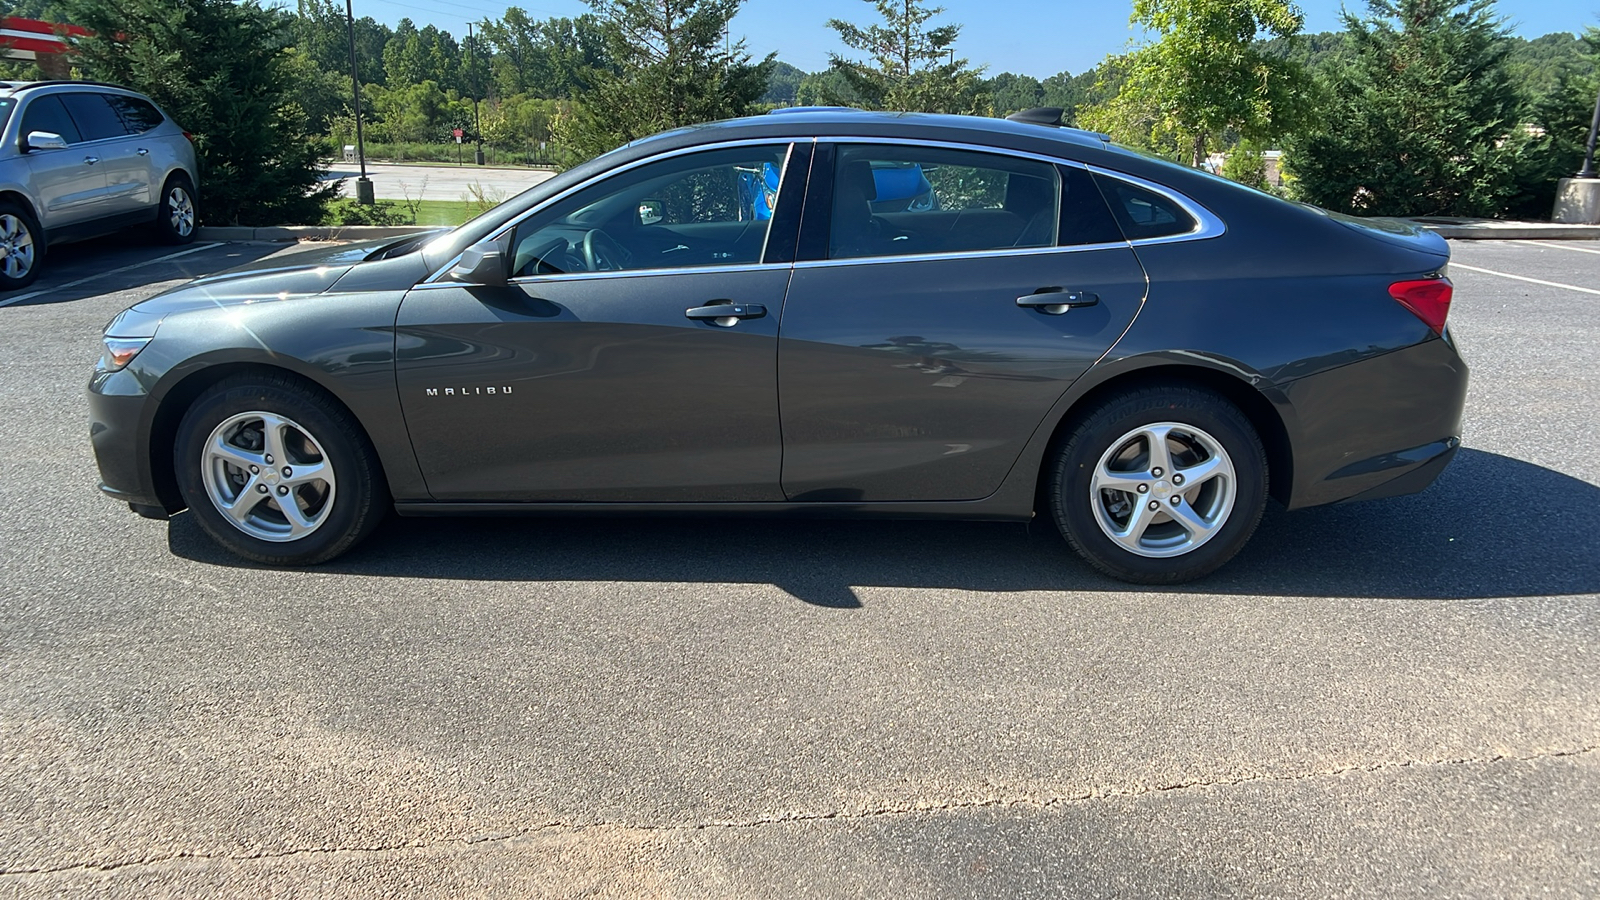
x=363 y=184
x=1588 y=156
x=472 y=66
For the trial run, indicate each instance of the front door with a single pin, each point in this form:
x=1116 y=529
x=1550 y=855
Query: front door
x=69 y=183
x=949 y=299
x=633 y=356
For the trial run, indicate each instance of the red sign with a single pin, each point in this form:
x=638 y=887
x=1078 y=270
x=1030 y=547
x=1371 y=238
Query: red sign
x=34 y=36
x=456 y=132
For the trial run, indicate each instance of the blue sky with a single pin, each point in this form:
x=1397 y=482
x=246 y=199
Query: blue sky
x=1033 y=37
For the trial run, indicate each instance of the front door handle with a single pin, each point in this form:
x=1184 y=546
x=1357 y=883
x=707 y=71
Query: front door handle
x=1054 y=301
x=726 y=314
x=143 y=151
x=91 y=160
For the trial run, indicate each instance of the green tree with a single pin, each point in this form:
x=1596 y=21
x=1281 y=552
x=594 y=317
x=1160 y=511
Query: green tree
x=672 y=68
x=1010 y=93
x=553 y=58
x=909 y=67
x=1561 y=120
x=218 y=68
x=1206 y=78
x=1424 y=120
x=783 y=86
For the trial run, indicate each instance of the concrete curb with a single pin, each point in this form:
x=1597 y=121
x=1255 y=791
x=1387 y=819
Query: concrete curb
x=1500 y=230
x=311 y=232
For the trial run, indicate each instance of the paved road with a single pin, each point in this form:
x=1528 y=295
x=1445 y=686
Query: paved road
x=438 y=182
x=1395 y=699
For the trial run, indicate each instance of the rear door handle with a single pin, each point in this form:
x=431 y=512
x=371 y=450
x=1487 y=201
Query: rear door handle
x=142 y=151
x=1054 y=301
x=91 y=160
x=726 y=313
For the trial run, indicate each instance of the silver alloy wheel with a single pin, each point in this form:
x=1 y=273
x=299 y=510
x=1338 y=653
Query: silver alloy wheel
x=16 y=246
x=268 y=476
x=180 y=208
x=1162 y=490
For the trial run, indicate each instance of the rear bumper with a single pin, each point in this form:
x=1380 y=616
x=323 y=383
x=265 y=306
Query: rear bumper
x=1382 y=427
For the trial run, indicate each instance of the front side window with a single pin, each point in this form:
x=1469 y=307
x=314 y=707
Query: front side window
x=908 y=201
x=48 y=115
x=701 y=209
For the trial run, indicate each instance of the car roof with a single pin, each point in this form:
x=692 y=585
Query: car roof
x=13 y=88
x=824 y=121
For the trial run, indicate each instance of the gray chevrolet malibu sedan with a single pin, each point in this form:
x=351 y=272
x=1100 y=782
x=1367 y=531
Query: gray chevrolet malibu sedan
x=820 y=312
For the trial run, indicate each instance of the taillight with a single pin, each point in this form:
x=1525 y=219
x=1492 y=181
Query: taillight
x=1429 y=300
x=189 y=136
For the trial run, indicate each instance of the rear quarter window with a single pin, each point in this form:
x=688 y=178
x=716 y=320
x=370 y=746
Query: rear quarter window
x=1144 y=214
x=138 y=116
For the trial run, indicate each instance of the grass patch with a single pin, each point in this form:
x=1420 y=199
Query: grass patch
x=446 y=212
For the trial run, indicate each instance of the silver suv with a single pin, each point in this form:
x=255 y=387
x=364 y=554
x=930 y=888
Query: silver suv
x=79 y=159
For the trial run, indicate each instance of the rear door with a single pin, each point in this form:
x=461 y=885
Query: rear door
x=924 y=341
x=67 y=184
x=126 y=170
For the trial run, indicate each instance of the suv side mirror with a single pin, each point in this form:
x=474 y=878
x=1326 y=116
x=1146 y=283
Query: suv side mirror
x=43 y=140
x=651 y=212
x=483 y=263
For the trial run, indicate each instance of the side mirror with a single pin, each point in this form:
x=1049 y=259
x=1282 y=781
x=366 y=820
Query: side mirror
x=483 y=263
x=43 y=140
x=651 y=212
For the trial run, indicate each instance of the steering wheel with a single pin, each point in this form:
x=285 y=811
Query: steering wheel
x=601 y=253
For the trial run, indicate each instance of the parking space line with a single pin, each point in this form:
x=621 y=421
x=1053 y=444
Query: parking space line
x=1558 y=246
x=1554 y=284
x=138 y=265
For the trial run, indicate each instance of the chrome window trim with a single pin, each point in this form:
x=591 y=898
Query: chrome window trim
x=964 y=254
x=623 y=273
x=1207 y=225
x=789 y=142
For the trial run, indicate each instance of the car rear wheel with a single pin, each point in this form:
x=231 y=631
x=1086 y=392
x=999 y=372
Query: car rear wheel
x=179 y=216
x=1160 y=485
x=21 y=247
x=277 y=473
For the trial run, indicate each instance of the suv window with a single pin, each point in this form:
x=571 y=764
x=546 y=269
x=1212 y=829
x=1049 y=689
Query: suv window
x=138 y=116
x=95 y=117
x=1145 y=214
x=47 y=114
x=906 y=201
x=700 y=209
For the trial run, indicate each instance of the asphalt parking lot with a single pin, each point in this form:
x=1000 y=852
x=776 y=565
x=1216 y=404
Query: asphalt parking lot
x=1390 y=699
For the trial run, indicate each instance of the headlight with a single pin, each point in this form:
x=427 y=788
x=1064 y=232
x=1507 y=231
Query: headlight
x=120 y=351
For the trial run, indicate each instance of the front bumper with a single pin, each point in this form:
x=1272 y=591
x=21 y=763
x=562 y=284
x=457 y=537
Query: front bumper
x=119 y=432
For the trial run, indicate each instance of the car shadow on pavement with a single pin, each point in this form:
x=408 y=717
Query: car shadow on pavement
x=1491 y=526
x=126 y=261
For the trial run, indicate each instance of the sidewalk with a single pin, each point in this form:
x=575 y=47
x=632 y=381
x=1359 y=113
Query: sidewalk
x=1461 y=229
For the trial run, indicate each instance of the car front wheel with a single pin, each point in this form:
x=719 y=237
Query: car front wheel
x=277 y=473
x=20 y=247
x=1160 y=485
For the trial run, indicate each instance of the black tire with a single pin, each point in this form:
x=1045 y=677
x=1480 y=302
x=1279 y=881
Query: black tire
x=1079 y=508
x=21 y=230
x=356 y=499
x=176 y=223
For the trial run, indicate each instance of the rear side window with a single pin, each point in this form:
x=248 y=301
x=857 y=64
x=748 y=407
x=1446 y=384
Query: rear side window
x=910 y=201
x=95 y=117
x=47 y=114
x=138 y=116
x=1085 y=219
x=1144 y=214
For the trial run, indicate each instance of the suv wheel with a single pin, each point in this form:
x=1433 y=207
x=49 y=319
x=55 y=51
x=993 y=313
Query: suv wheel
x=1160 y=485
x=21 y=249
x=179 y=213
